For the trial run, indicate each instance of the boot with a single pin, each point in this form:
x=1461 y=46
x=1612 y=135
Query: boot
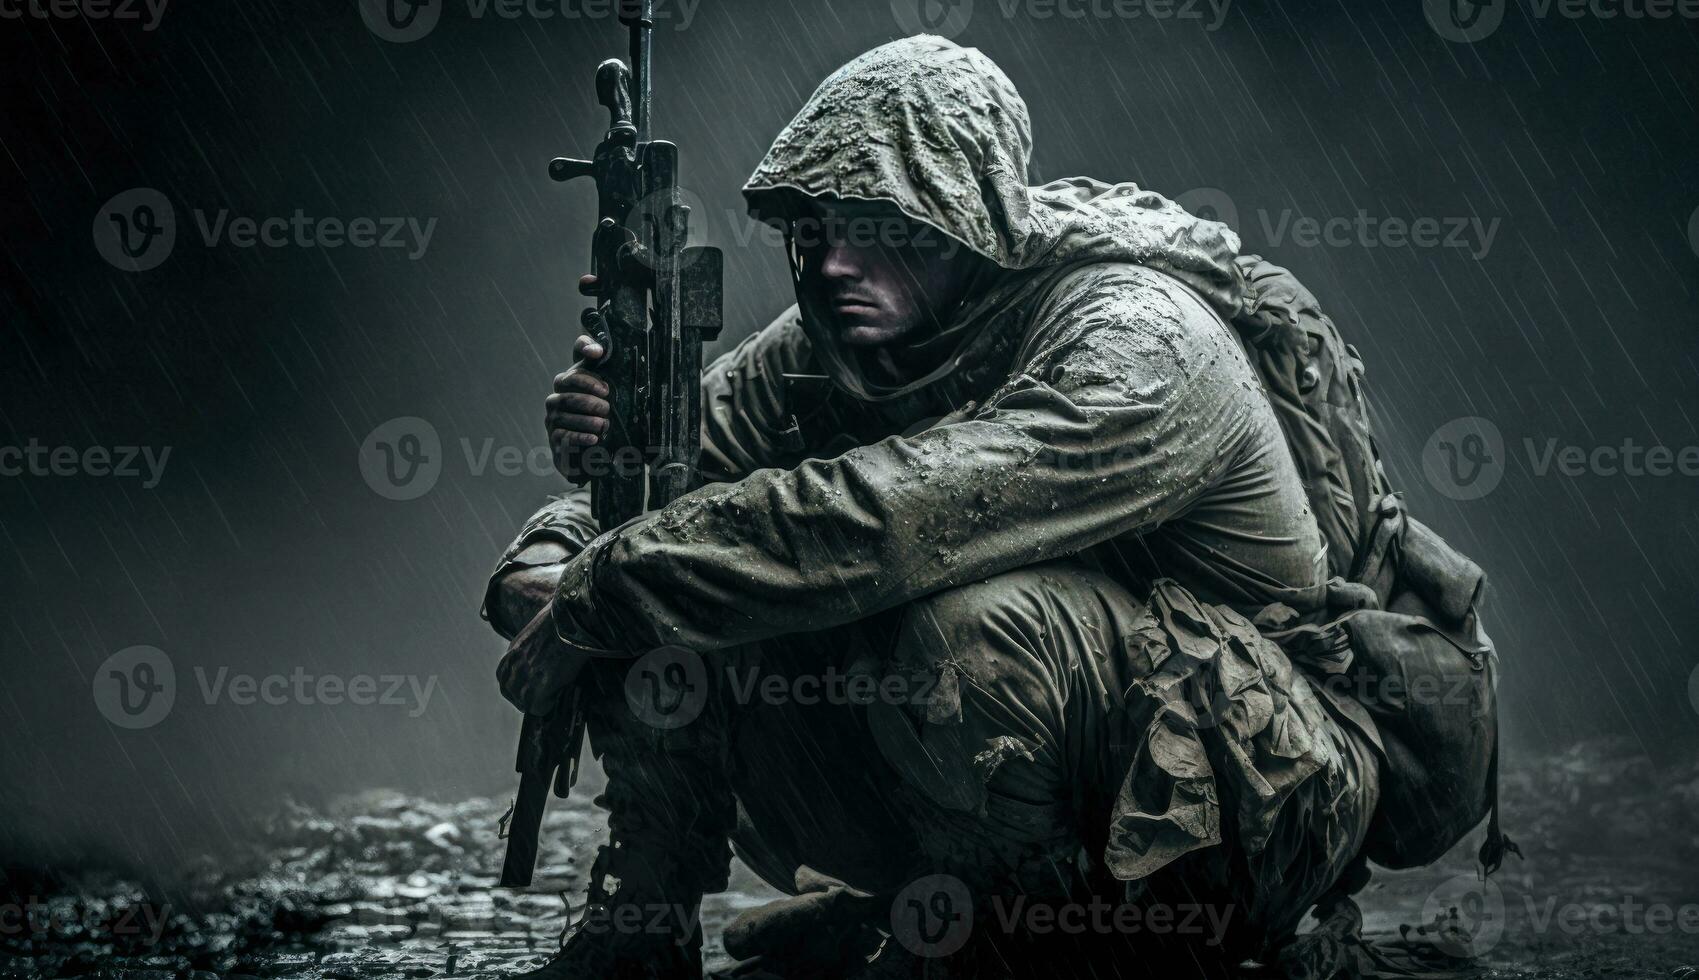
x=641 y=921
x=670 y=817
x=826 y=931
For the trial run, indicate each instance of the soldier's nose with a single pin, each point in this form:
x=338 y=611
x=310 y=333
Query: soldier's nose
x=841 y=263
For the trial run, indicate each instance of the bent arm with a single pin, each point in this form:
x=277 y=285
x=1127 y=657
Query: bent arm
x=523 y=586
x=746 y=424
x=1124 y=413
x=529 y=571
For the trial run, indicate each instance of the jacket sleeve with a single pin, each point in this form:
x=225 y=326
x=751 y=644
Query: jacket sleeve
x=746 y=425
x=1128 y=400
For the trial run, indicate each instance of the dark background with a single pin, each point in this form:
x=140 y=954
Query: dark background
x=263 y=369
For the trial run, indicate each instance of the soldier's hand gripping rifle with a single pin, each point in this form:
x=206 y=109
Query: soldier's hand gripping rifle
x=657 y=301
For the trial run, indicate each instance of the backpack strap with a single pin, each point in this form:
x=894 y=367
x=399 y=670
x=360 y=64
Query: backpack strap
x=1498 y=844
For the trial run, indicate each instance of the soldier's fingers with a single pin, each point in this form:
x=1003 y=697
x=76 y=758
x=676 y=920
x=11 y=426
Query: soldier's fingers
x=579 y=402
x=579 y=379
x=577 y=423
x=564 y=447
x=567 y=438
x=587 y=347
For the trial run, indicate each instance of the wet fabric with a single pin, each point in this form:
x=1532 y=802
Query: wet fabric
x=939 y=132
x=1038 y=742
x=1071 y=717
x=1097 y=407
x=1127 y=418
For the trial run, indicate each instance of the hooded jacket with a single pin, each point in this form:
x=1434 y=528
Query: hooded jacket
x=1115 y=416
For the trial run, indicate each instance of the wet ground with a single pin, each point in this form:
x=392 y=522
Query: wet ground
x=387 y=885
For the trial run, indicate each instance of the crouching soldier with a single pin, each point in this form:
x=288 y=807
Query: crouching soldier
x=1009 y=473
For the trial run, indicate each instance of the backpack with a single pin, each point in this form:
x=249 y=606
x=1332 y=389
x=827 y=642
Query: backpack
x=1419 y=678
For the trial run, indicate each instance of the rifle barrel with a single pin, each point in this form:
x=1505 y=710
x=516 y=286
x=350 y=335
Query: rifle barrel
x=524 y=829
x=642 y=65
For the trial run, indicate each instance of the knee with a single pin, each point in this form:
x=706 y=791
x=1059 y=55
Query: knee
x=996 y=667
x=967 y=628
x=1024 y=629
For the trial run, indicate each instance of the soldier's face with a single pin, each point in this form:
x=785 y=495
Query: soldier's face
x=883 y=278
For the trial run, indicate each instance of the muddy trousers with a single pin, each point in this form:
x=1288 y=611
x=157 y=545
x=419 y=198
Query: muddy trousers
x=971 y=748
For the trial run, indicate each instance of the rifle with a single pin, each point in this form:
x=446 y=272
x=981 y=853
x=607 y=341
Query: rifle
x=657 y=300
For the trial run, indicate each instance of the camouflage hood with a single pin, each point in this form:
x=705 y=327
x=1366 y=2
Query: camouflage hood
x=940 y=132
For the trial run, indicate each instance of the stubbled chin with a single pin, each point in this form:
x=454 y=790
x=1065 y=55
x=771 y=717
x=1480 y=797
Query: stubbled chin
x=864 y=335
